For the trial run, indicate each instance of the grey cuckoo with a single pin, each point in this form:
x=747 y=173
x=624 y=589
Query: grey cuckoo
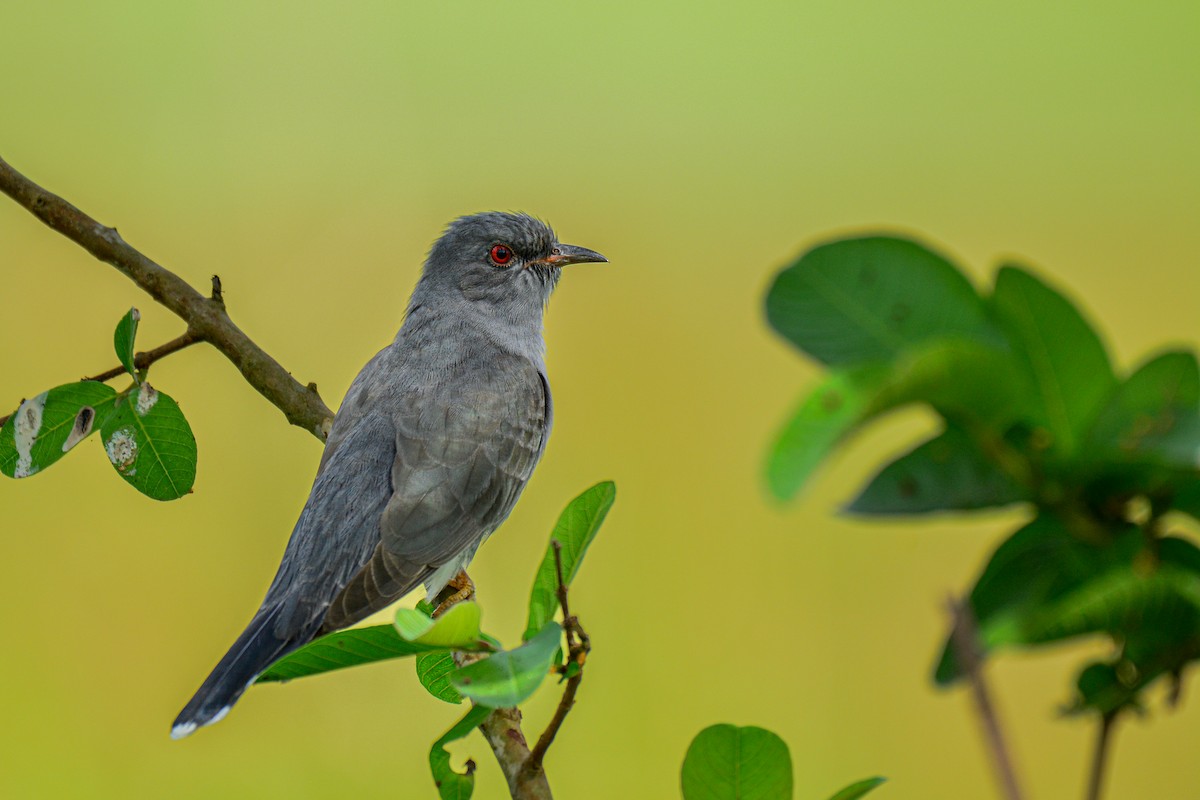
x=427 y=454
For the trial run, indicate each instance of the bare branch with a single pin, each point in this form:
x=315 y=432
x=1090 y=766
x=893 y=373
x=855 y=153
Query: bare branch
x=205 y=317
x=964 y=638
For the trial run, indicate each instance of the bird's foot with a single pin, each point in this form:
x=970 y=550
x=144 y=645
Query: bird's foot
x=460 y=588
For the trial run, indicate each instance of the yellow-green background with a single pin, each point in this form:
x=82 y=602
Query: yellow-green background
x=309 y=153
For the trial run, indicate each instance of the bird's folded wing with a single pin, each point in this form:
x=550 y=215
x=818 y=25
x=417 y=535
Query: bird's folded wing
x=461 y=461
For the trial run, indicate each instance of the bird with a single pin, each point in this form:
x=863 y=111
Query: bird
x=430 y=449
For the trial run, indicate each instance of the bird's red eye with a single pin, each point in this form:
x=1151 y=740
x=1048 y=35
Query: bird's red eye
x=501 y=254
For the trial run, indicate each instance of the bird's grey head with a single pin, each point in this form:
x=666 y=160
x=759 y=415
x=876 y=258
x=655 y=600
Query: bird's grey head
x=504 y=265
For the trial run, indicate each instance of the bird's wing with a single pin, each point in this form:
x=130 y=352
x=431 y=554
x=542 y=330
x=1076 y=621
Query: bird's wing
x=339 y=527
x=462 y=458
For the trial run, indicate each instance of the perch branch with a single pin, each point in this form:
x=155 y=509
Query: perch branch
x=205 y=316
x=964 y=638
x=502 y=728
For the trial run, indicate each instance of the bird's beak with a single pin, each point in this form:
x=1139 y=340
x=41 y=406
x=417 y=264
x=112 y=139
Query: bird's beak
x=564 y=254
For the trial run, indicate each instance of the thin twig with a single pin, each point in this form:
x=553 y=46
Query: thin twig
x=577 y=651
x=1100 y=756
x=140 y=360
x=204 y=315
x=964 y=638
x=144 y=359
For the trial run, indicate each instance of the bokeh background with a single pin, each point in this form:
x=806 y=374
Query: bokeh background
x=309 y=153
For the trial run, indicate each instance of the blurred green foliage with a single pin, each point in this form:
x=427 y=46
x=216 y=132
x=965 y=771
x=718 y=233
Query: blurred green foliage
x=1034 y=413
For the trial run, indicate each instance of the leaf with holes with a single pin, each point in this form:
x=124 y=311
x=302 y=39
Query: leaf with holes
x=46 y=427
x=507 y=678
x=1062 y=355
x=725 y=762
x=123 y=340
x=577 y=526
x=150 y=444
x=433 y=671
x=451 y=784
x=946 y=473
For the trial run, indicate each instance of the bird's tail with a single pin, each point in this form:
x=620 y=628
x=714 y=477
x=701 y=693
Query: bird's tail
x=252 y=653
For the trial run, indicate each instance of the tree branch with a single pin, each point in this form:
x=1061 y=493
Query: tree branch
x=964 y=638
x=205 y=317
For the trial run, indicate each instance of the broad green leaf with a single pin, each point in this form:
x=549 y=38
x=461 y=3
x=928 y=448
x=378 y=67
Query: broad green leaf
x=150 y=444
x=1064 y=357
x=45 y=427
x=453 y=785
x=577 y=526
x=1141 y=438
x=1125 y=602
x=962 y=380
x=506 y=678
x=725 y=762
x=123 y=340
x=860 y=789
x=457 y=629
x=342 y=649
x=1035 y=566
x=843 y=401
x=946 y=473
x=868 y=299
x=433 y=671
x=1100 y=688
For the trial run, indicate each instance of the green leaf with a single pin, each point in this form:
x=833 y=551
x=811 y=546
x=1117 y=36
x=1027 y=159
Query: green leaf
x=123 y=339
x=46 y=427
x=961 y=380
x=1124 y=601
x=1187 y=499
x=433 y=671
x=150 y=444
x=452 y=785
x=861 y=789
x=1141 y=436
x=342 y=649
x=869 y=299
x=577 y=526
x=1063 y=356
x=946 y=473
x=1034 y=567
x=843 y=401
x=725 y=762
x=457 y=629
x=506 y=678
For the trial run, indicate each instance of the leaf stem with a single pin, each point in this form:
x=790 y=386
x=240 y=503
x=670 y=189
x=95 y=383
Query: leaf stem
x=1100 y=756
x=964 y=637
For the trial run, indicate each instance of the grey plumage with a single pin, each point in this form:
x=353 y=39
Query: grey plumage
x=428 y=453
